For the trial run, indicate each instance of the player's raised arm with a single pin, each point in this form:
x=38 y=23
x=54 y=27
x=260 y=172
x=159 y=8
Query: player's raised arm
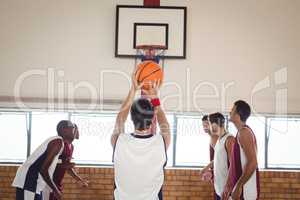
x=152 y=94
x=124 y=110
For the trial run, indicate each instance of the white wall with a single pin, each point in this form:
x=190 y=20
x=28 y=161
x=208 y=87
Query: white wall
x=234 y=43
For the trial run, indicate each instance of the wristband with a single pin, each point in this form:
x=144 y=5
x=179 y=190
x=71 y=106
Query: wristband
x=155 y=102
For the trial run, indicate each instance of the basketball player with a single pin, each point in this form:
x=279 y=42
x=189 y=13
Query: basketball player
x=64 y=165
x=140 y=157
x=37 y=171
x=213 y=137
x=207 y=175
x=223 y=149
x=243 y=179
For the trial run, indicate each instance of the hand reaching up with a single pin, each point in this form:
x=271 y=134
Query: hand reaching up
x=152 y=92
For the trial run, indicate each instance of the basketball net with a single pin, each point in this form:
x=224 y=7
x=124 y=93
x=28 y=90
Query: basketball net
x=150 y=52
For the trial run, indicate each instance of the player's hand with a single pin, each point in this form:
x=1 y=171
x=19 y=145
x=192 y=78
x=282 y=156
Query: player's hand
x=57 y=194
x=236 y=192
x=135 y=85
x=226 y=193
x=152 y=92
x=207 y=176
x=84 y=183
x=201 y=173
x=68 y=165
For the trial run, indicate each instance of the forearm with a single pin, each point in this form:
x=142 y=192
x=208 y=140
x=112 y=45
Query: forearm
x=122 y=116
x=209 y=166
x=74 y=174
x=48 y=180
x=247 y=143
x=53 y=149
x=247 y=173
x=163 y=124
x=127 y=104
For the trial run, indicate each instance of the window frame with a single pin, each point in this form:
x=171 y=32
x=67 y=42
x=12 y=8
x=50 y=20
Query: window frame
x=267 y=128
x=176 y=115
x=193 y=115
x=28 y=131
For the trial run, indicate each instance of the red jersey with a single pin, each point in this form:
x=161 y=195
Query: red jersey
x=251 y=190
x=59 y=172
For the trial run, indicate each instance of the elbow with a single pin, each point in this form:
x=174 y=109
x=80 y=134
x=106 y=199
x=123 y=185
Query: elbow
x=44 y=172
x=69 y=171
x=253 y=164
x=166 y=133
x=165 y=128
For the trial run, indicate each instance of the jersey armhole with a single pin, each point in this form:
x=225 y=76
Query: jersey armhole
x=228 y=161
x=114 y=148
x=165 y=147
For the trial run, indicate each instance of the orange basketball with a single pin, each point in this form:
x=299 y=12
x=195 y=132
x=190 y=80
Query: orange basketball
x=149 y=72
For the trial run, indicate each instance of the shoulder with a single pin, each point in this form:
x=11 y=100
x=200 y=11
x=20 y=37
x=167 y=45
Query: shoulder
x=230 y=140
x=159 y=142
x=123 y=137
x=214 y=137
x=245 y=136
x=56 y=140
x=56 y=143
x=245 y=133
x=159 y=137
x=230 y=137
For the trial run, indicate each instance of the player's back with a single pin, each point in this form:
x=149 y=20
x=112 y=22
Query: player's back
x=28 y=176
x=139 y=167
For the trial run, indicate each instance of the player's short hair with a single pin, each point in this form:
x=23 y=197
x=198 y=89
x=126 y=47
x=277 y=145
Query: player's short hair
x=205 y=118
x=142 y=113
x=243 y=109
x=63 y=124
x=217 y=118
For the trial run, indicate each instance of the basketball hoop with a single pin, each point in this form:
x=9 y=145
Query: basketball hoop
x=151 y=47
x=150 y=52
x=154 y=53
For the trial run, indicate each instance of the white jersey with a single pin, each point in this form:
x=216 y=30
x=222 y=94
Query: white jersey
x=139 y=163
x=28 y=176
x=221 y=164
x=250 y=189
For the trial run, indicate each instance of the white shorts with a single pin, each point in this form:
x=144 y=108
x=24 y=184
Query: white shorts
x=22 y=194
x=46 y=193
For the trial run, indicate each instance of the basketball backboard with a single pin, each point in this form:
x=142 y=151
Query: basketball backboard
x=162 y=26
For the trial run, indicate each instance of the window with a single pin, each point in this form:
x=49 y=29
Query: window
x=277 y=137
x=231 y=128
x=93 y=146
x=192 y=143
x=44 y=126
x=13 y=133
x=257 y=124
x=283 y=143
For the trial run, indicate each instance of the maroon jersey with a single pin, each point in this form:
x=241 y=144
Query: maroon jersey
x=211 y=157
x=211 y=152
x=251 y=190
x=60 y=171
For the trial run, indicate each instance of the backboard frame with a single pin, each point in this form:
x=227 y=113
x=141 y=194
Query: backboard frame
x=166 y=26
x=182 y=54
